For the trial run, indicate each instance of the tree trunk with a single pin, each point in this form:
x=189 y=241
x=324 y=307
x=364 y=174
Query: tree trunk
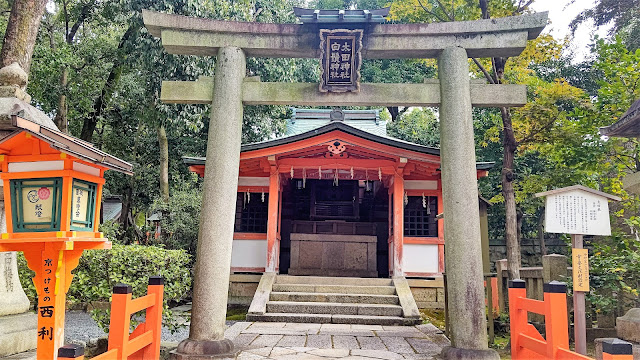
x=22 y=29
x=543 y=246
x=511 y=216
x=164 y=163
x=61 y=114
x=90 y=123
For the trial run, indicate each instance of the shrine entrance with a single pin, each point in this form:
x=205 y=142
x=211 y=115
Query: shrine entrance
x=341 y=39
x=335 y=228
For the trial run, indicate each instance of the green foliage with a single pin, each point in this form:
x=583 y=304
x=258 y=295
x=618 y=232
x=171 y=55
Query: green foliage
x=418 y=126
x=614 y=273
x=181 y=216
x=99 y=270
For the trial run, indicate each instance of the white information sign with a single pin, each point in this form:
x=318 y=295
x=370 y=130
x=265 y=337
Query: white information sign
x=577 y=212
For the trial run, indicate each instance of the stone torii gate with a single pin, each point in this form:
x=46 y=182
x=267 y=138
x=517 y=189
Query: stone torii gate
x=229 y=90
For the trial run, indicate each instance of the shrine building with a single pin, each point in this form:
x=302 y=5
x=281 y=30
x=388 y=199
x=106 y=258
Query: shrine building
x=337 y=196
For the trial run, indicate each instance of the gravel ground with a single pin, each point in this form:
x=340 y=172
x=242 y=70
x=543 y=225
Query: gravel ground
x=79 y=326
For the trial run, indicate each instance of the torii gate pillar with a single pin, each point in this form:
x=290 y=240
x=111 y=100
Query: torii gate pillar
x=215 y=236
x=462 y=227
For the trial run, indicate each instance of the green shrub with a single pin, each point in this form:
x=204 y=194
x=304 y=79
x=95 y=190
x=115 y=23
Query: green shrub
x=181 y=217
x=99 y=270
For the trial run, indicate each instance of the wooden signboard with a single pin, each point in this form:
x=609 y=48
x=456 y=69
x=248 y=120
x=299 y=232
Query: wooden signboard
x=340 y=60
x=580 y=263
x=577 y=212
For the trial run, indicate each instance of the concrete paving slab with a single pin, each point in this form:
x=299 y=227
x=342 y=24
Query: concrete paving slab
x=377 y=354
x=367 y=327
x=319 y=341
x=330 y=353
x=345 y=342
x=234 y=330
x=370 y=343
x=276 y=352
x=263 y=351
x=397 y=344
x=292 y=340
x=244 y=339
x=424 y=346
x=266 y=340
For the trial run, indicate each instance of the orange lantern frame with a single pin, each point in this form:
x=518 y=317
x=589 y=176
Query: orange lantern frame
x=36 y=153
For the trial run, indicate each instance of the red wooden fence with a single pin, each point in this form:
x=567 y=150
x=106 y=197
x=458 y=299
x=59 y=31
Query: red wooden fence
x=144 y=342
x=526 y=341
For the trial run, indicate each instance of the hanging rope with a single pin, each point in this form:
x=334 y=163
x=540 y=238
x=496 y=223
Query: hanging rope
x=406 y=198
x=292 y=172
x=351 y=172
x=262 y=195
x=424 y=202
x=319 y=172
x=380 y=174
x=304 y=177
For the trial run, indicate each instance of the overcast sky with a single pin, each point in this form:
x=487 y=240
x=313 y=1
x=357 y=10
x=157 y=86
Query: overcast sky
x=561 y=15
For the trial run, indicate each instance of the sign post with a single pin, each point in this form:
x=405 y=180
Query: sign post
x=578 y=210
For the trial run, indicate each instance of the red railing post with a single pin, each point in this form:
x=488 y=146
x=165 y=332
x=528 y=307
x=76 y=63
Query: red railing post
x=616 y=349
x=153 y=319
x=517 y=316
x=555 y=317
x=71 y=351
x=120 y=319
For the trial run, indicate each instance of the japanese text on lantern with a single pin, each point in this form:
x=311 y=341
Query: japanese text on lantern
x=45 y=306
x=580 y=259
x=340 y=60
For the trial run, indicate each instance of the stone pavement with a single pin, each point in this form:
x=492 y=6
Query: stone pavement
x=270 y=340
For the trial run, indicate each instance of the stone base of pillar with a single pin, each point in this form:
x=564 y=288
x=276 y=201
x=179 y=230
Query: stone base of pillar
x=204 y=349
x=451 y=353
x=17 y=333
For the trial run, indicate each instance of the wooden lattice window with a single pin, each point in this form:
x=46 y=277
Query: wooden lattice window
x=252 y=212
x=420 y=220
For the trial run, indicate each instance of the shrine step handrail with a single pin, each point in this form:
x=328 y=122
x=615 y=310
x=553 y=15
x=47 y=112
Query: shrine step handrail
x=526 y=341
x=144 y=341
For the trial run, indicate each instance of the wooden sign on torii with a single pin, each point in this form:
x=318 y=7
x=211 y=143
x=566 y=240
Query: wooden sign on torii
x=455 y=94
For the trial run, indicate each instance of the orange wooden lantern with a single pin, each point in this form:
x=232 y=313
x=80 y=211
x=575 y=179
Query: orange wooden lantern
x=52 y=190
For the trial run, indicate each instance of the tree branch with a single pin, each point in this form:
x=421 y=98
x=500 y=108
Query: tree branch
x=520 y=8
x=484 y=71
x=430 y=12
x=444 y=10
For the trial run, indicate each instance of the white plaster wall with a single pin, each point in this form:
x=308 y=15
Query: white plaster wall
x=420 y=258
x=249 y=253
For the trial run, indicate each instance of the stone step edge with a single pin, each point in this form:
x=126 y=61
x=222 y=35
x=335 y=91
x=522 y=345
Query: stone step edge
x=302 y=293
x=321 y=303
x=313 y=286
x=333 y=319
x=328 y=280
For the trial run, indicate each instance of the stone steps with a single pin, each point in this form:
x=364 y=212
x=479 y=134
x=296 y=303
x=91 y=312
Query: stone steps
x=324 y=280
x=333 y=308
x=331 y=319
x=341 y=289
x=342 y=300
x=335 y=298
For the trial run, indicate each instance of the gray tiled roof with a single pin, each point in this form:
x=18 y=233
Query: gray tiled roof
x=304 y=120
